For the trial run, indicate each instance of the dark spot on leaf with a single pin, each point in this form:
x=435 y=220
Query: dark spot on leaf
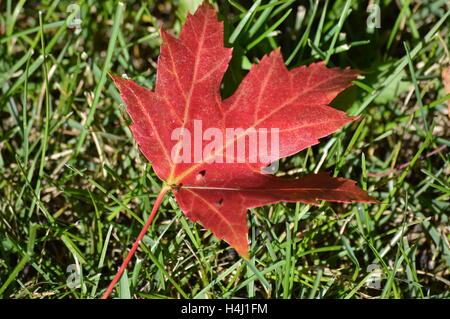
x=219 y=202
x=176 y=188
x=200 y=175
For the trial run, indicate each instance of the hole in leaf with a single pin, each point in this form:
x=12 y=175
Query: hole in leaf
x=176 y=188
x=219 y=202
x=200 y=175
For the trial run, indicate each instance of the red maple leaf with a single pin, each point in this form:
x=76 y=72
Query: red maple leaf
x=216 y=194
x=218 y=187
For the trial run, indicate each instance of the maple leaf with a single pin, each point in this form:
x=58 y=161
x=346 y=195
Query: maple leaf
x=218 y=188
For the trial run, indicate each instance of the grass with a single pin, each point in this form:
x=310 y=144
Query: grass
x=75 y=190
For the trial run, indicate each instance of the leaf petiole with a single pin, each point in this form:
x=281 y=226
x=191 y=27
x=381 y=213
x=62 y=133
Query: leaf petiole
x=122 y=268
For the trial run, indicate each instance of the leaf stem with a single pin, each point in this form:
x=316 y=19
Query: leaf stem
x=116 y=278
